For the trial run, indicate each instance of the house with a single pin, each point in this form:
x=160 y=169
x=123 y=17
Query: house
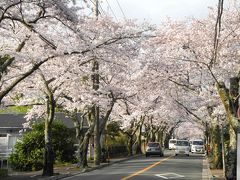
x=11 y=128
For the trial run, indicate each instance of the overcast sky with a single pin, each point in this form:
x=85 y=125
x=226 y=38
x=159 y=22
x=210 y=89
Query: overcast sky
x=155 y=11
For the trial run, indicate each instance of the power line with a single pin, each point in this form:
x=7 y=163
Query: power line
x=94 y=6
x=111 y=10
x=121 y=9
x=102 y=11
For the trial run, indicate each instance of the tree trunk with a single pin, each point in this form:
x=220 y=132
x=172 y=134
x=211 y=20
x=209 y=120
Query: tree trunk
x=49 y=154
x=216 y=151
x=97 y=147
x=230 y=101
x=83 y=150
x=130 y=145
x=83 y=147
x=231 y=156
x=207 y=137
x=168 y=137
x=80 y=138
x=103 y=131
x=139 y=141
x=160 y=135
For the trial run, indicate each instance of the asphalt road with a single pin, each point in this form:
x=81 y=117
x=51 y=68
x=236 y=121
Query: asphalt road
x=156 y=168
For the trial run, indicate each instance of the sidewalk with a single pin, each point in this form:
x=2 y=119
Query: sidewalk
x=63 y=171
x=211 y=174
x=217 y=174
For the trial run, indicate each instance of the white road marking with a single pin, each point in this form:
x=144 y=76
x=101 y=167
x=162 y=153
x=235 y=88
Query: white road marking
x=169 y=175
x=161 y=176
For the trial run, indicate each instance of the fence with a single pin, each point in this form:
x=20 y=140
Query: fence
x=4 y=154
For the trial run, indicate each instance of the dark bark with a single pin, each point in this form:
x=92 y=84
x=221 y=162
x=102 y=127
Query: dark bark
x=168 y=137
x=95 y=112
x=78 y=124
x=216 y=148
x=49 y=154
x=130 y=145
x=161 y=134
x=83 y=147
x=139 y=141
x=231 y=157
x=97 y=147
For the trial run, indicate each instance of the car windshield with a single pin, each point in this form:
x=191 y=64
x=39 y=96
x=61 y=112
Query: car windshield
x=182 y=143
x=153 y=144
x=197 y=143
x=173 y=141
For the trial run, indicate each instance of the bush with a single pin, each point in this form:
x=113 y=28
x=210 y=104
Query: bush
x=3 y=173
x=28 y=153
x=115 y=151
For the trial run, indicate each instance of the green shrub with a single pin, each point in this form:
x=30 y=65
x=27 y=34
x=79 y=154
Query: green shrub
x=28 y=153
x=3 y=173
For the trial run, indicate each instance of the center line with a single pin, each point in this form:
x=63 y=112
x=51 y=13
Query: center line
x=146 y=169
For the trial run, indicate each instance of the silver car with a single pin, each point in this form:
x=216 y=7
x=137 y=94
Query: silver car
x=154 y=148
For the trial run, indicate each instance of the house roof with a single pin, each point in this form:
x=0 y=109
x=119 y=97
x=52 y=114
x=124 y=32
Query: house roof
x=17 y=120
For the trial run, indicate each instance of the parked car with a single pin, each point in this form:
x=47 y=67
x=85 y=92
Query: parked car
x=182 y=147
x=197 y=146
x=172 y=144
x=154 y=148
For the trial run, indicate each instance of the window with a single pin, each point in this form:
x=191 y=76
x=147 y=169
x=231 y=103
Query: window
x=197 y=143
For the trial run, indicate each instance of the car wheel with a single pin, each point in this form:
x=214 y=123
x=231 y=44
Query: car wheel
x=176 y=154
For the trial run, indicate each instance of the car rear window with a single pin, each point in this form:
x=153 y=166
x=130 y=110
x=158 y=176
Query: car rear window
x=182 y=143
x=173 y=141
x=153 y=144
x=197 y=143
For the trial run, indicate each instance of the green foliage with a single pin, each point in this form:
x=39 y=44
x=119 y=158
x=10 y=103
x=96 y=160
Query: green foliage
x=114 y=135
x=5 y=61
x=28 y=153
x=15 y=109
x=3 y=172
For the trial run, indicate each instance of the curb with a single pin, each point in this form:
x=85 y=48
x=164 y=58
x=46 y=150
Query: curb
x=61 y=176
x=206 y=173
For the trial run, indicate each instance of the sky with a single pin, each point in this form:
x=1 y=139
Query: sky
x=156 y=11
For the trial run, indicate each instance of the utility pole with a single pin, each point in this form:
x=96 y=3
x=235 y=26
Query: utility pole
x=95 y=80
x=238 y=143
x=223 y=150
x=96 y=9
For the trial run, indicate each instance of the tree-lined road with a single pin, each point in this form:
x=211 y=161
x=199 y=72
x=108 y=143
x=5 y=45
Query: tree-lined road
x=142 y=168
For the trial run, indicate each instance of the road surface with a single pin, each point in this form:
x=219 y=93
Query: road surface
x=156 y=168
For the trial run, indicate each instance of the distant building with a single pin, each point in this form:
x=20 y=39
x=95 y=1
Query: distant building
x=11 y=128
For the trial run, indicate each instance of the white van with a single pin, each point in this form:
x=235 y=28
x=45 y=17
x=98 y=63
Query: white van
x=182 y=147
x=172 y=144
x=197 y=146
